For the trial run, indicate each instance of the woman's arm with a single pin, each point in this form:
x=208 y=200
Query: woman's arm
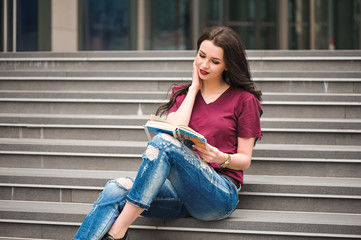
x=183 y=115
x=239 y=161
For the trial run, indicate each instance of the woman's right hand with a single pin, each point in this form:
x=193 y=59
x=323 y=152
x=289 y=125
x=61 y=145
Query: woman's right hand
x=183 y=115
x=196 y=81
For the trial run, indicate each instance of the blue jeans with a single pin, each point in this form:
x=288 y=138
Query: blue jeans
x=172 y=182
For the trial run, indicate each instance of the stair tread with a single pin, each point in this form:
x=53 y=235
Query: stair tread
x=305 y=147
x=311 y=191
x=120 y=93
x=30 y=116
x=117 y=148
x=161 y=95
x=65 y=173
x=70 y=142
x=35 y=141
x=287 y=129
x=160 y=101
x=249 y=179
x=46 y=119
x=141 y=95
x=179 y=75
x=252 y=220
x=301 y=54
x=23 y=238
x=49 y=120
x=240 y=214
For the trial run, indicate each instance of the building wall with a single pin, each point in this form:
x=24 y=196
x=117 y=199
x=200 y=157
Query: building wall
x=64 y=26
x=76 y=25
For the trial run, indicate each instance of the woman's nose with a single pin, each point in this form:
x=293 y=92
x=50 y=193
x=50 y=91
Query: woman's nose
x=205 y=64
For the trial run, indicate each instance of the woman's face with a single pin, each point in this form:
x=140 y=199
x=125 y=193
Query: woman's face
x=209 y=61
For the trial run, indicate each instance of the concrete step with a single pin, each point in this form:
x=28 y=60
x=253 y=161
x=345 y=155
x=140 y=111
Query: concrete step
x=295 y=135
x=80 y=106
x=310 y=123
x=70 y=178
x=92 y=81
x=311 y=97
x=172 y=61
x=140 y=120
x=114 y=148
x=313 y=167
x=267 y=81
x=20 y=238
x=118 y=148
x=288 y=166
x=162 y=95
x=311 y=104
x=311 y=136
x=151 y=74
x=311 y=109
x=291 y=109
x=44 y=217
x=306 y=151
x=110 y=148
x=319 y=54
x=260 y=192
x=77 y=119
x=275 y=201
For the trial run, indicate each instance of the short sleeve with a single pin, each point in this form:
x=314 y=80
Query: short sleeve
x=249 y=123
x=178 y=100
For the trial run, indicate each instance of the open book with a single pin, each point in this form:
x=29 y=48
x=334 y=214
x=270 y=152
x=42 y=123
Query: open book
x=184 y=134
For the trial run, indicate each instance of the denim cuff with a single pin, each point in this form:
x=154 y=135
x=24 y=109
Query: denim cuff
x=138 y=204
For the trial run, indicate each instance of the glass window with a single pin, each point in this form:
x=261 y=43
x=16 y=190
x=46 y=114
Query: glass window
x=210 y=12
x=255 y=21
x=242 y=11
x=10 y=25
x=247 y=35
x=33 y=25
x=44 y=25
x=347 y=24
x=299 y=16
x=357 y=24
x=321 y=24
x=2 y=26
x=169 y=25
x=27 y=25
x=104 y=25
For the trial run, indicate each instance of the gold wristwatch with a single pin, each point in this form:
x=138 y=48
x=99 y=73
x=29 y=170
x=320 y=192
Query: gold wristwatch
x=227 y=162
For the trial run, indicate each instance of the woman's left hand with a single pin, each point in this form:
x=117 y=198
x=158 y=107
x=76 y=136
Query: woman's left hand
x=212 y=155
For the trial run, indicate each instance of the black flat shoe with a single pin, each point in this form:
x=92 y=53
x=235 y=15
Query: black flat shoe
x=110 y=237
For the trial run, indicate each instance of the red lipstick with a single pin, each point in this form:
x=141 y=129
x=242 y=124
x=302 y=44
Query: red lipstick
x=203 y=72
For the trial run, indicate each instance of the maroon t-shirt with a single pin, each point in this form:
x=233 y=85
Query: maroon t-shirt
x=236 y=113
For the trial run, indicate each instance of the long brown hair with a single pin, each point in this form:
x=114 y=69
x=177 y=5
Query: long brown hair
x=238 y=74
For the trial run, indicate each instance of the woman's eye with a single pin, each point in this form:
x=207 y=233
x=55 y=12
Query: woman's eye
x=202 y=55
x=215 y=62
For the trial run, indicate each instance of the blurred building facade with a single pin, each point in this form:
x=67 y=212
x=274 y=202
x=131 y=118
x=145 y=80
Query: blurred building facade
x=97 y=25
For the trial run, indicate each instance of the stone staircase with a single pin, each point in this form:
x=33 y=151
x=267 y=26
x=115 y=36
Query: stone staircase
x=71 y=121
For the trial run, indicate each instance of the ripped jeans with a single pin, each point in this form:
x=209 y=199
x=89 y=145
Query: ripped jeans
x=172 y=182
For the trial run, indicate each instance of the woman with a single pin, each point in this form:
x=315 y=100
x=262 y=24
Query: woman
x=223 y=104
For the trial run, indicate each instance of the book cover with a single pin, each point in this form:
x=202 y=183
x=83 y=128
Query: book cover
x=184 y=134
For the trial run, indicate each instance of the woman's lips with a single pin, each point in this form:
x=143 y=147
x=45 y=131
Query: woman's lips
x=203 y=72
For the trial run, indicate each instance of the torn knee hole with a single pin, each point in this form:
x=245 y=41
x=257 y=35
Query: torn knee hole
x=125 y=182
x=171 y=139
x=152 y=152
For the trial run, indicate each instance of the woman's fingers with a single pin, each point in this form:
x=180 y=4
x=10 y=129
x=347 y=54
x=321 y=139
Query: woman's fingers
x=208 y=156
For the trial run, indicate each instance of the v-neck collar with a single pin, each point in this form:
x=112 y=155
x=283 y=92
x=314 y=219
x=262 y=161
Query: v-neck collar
x=217 y=99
